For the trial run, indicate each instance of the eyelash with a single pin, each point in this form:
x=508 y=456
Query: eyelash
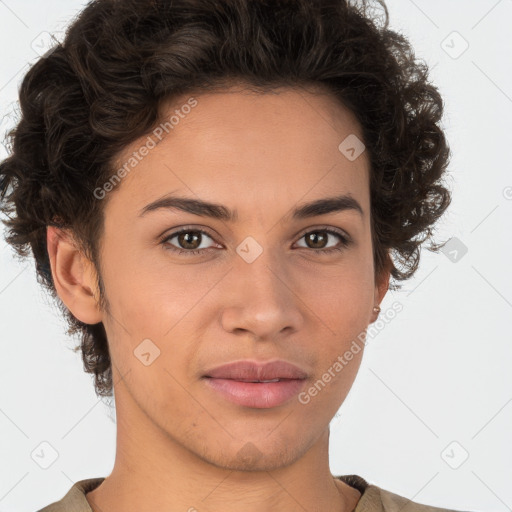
x=345 y=241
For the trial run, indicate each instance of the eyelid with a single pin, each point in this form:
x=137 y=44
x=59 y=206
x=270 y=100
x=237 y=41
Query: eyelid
x=329 y=228
x=173 y=232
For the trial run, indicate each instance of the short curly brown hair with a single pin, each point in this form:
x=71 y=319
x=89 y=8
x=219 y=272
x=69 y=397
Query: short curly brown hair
x=103 y=86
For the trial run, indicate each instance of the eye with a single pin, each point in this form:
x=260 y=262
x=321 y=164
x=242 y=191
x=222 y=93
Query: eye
x=190 y=241
x=318 y=239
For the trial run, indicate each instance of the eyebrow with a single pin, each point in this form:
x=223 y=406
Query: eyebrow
x=217 y=211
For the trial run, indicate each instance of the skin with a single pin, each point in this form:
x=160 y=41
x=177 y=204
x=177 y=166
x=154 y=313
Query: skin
x=180 y=444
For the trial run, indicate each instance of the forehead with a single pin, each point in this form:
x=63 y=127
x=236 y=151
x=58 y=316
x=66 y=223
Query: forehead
x=232 y=144
x=302 y=113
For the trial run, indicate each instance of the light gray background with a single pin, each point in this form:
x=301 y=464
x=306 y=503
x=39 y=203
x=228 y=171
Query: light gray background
x=435 y=383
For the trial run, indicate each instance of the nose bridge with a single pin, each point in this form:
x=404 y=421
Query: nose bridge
x=260 y=269
x=261 y=298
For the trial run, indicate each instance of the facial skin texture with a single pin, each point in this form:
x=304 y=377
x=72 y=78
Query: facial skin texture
x=180 y=444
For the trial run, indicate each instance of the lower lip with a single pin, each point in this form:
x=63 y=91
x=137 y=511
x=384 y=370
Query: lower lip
x=260 y=395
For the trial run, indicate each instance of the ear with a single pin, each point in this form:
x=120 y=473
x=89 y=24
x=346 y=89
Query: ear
x=73 y=275
x=381 y=287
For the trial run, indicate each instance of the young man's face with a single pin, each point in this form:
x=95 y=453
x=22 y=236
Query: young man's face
x=260 y=288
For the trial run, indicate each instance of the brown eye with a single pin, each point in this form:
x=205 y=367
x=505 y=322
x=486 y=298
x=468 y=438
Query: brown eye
x=318 y=240
x=188 y=241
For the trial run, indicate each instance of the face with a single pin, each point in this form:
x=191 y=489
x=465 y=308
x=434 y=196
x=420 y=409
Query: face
x=264 y=285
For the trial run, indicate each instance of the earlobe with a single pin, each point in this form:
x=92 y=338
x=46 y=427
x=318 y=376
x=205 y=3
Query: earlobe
x=381 y=288
x=73 y=276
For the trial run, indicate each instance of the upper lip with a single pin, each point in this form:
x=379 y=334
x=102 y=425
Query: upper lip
x=254 y=370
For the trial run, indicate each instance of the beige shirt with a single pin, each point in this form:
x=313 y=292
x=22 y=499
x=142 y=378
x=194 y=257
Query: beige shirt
x=373 y=498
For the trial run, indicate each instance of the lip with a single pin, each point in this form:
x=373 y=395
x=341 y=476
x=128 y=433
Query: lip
x=228 y=380
x=254 y=370
x=257 y=395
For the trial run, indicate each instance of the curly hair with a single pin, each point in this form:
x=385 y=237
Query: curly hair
x=103 y=87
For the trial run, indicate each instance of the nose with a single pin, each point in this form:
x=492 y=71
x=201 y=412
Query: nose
x=260 y=300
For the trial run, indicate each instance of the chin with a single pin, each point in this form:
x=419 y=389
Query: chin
x=265 y=454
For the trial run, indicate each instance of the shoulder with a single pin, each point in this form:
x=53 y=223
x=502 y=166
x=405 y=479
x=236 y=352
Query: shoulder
x=381 y=500
x=376 y=499
x=75 y=500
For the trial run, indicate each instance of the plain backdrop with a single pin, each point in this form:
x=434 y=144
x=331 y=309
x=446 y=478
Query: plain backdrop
x=430 y=414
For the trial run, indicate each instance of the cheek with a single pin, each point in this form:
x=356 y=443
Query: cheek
x=155 y=307
x=341 y=300
x=340 y=348
x=149 y=293
x=340 y=294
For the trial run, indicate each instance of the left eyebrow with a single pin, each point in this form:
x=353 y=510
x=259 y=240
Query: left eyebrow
x=217 y=211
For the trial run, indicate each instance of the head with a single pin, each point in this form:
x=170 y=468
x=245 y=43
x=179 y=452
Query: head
x=258 y=107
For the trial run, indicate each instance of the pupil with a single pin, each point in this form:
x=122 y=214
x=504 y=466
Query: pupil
x=314 y=237
x=185 y=240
